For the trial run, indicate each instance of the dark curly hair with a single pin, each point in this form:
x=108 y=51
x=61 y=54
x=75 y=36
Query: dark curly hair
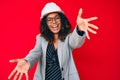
x=65 y=28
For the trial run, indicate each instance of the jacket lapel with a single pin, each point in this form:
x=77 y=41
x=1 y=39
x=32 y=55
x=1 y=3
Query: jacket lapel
x=60 y=44
x=44 y=46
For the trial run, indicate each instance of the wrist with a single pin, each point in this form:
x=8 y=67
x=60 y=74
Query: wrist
x=80 y=32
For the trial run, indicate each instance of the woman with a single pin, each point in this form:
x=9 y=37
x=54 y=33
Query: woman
x=53 y=49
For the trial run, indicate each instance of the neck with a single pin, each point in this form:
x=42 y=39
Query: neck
x=55 y=37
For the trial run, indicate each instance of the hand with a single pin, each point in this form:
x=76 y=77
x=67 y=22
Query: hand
x=84 y=25
x=21 y=68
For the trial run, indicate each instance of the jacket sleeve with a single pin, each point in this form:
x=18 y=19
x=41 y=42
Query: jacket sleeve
x=76 y=40
x=35 y=53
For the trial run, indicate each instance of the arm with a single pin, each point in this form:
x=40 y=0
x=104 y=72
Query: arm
x=35 y=53
x=23 y=65
x=77 y=38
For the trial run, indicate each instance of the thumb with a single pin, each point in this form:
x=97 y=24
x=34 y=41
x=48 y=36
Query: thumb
x=13 y=60
x=80 y=12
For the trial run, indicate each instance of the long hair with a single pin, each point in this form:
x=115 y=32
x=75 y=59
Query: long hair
x=64 y=31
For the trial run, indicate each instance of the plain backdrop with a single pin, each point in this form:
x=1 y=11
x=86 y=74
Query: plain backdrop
x=97 y=59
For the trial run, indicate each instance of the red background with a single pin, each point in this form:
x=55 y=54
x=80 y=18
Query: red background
x=97 y=59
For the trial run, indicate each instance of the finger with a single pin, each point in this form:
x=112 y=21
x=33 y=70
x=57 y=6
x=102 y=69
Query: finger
x=20 y=77
x=92 y=31
x=26 y=74
x=92 y=26
x=87 y=35
x=92 y=18
x=80 y=13
x=14 y=60
x=17 y=74
x=12 y=73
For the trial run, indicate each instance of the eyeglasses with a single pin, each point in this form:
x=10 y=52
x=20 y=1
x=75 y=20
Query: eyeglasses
x=56 y=19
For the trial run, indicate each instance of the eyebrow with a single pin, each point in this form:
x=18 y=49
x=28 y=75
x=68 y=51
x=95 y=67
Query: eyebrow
x=54 y=16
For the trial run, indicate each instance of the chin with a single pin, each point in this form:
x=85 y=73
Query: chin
x=55 y=32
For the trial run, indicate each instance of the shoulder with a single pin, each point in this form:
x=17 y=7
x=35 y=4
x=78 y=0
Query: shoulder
x=39 y=37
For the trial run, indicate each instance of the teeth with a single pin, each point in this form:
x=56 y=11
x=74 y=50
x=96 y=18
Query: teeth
x=54 y=26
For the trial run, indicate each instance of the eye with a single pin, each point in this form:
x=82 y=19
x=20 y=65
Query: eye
x=49 y=19
x=57 y=18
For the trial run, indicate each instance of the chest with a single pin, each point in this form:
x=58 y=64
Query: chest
x=62 y=50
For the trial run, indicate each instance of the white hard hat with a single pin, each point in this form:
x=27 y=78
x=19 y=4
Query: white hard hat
x=49 y=8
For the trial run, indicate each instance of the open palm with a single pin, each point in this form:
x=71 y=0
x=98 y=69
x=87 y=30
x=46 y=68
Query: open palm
x=21 y=68
x=84 y=25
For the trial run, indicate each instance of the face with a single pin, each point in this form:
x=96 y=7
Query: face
x=54 y=22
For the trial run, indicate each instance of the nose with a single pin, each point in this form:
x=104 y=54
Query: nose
x=54 y=21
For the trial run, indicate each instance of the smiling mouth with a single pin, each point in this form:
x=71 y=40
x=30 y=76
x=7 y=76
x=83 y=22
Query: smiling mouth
x=55 y=27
